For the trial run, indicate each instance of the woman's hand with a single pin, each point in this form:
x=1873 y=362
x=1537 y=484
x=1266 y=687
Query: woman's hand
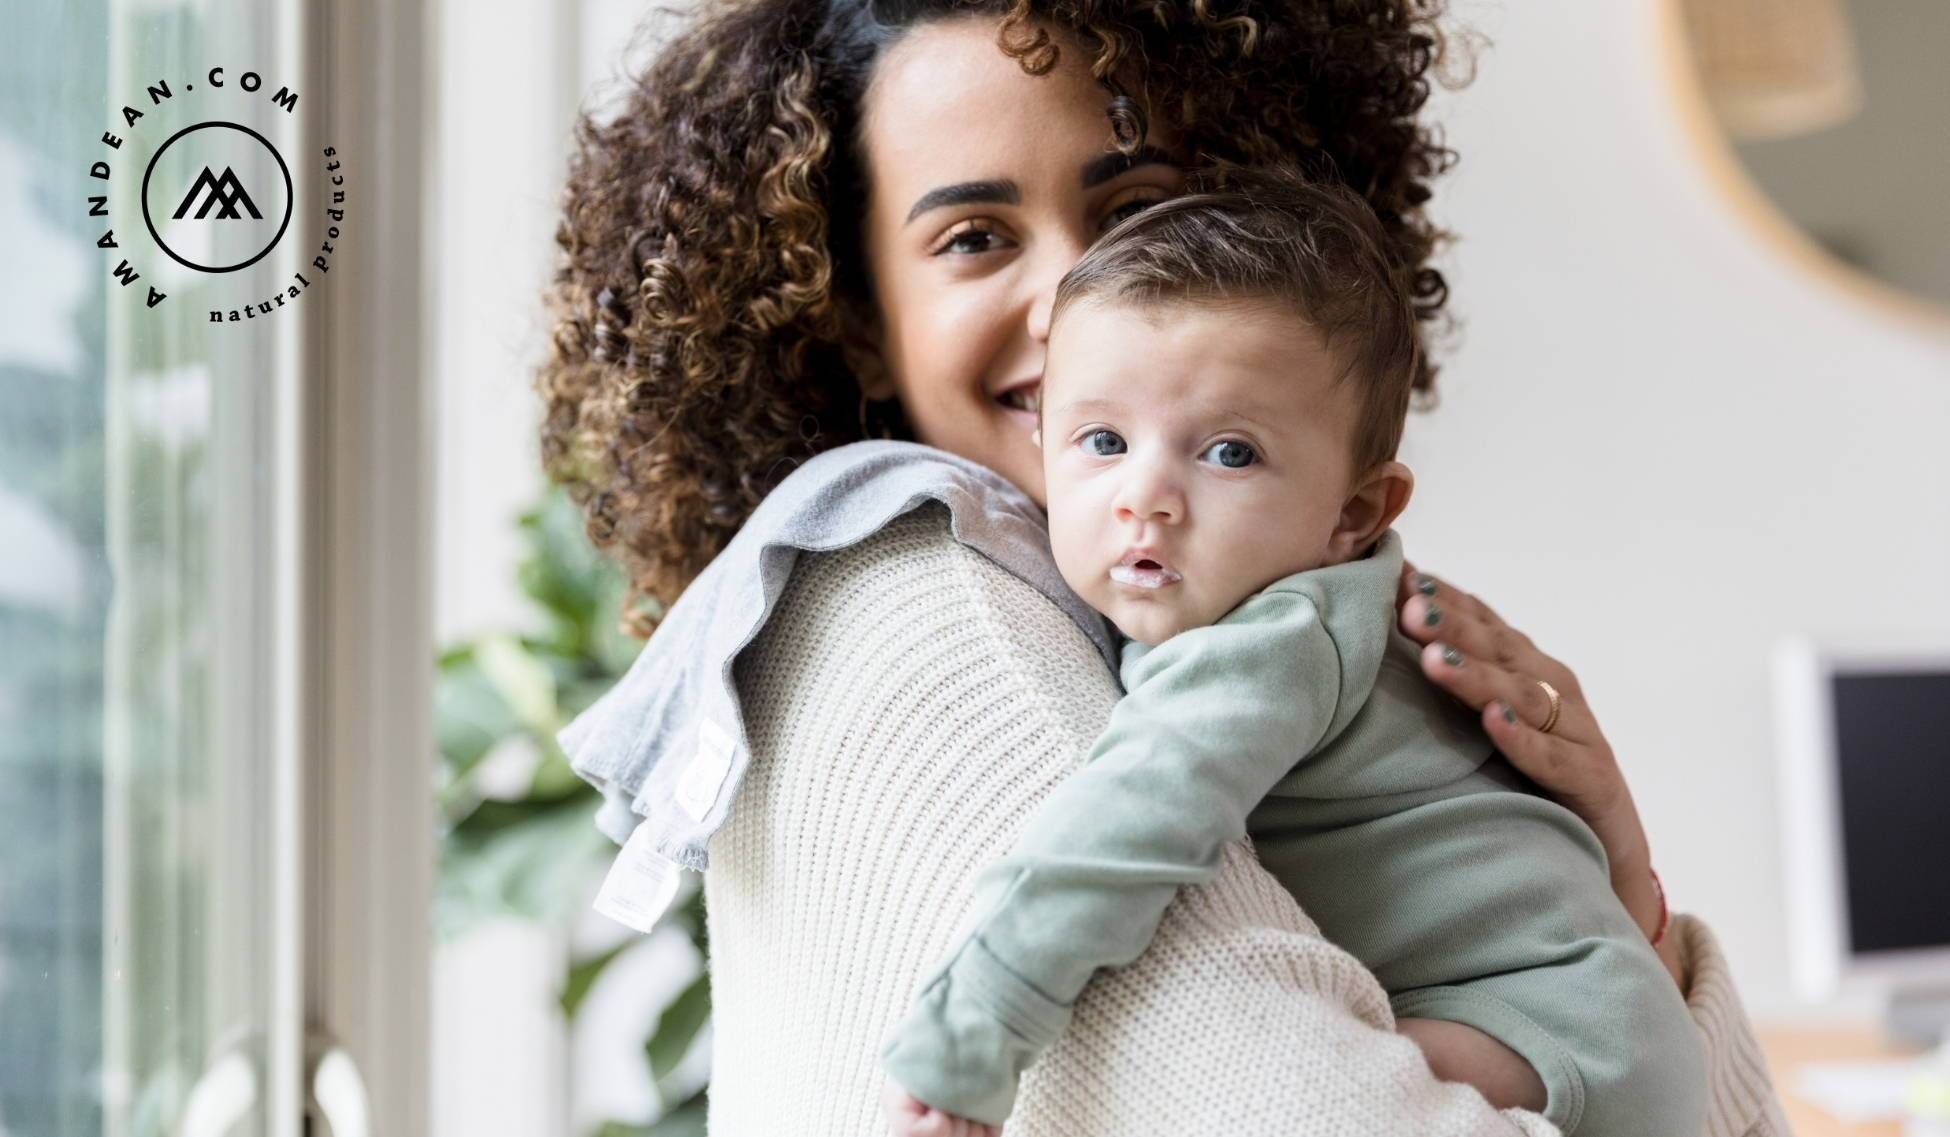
x=1470 y=652
x=909 y=1116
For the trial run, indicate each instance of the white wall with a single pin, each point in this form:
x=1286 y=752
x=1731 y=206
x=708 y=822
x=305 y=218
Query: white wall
x=1661 y=447
x=500 y=1046
x=505 y=83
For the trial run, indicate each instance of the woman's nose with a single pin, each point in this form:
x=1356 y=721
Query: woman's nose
x=1060 y=254
x=1039 y=312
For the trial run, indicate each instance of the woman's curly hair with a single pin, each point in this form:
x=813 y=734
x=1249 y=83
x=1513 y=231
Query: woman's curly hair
x=705 y=281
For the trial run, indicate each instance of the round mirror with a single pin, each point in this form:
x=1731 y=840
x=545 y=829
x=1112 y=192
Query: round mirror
x=1838 y=113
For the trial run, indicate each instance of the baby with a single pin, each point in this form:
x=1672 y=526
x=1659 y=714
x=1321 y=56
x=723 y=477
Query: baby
x=1226 y=384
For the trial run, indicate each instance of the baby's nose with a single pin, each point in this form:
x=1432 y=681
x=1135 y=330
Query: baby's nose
x=1149 y=495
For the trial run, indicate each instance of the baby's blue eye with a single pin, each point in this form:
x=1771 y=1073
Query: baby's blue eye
x=1233 y=455
x=1103 y=443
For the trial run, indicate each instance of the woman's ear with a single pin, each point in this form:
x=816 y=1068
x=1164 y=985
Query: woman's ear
x=860 y=349
x=1376 y=500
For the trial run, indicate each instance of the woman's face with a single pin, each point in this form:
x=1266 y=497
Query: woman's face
x=986 y=185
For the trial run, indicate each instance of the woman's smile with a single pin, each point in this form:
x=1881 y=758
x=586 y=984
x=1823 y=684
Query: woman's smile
x=1021 y=401
x=969 y=230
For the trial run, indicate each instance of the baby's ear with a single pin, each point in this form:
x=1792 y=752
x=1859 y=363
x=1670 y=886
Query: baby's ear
x=1378 y=497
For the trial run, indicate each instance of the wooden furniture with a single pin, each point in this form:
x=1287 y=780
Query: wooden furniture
x=1790 y=1047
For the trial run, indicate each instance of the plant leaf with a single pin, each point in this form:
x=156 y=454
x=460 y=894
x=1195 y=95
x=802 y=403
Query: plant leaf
x=493 y=815
x=677 y=1027
x=523 y=680
x=553 y=776
x=686 y=1118
x=583 y=974
x=537 y=869
x=563 y=573
x=470 y=715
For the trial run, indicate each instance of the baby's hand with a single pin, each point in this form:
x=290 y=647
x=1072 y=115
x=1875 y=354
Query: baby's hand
x=909 y=1116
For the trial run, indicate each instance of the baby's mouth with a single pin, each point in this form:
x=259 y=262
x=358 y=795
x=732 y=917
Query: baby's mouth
x=1144 y=573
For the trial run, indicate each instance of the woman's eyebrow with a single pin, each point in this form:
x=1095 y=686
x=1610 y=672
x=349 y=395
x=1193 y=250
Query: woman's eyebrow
x=1101 y=170
x=1001 y=190
x=1004 y=191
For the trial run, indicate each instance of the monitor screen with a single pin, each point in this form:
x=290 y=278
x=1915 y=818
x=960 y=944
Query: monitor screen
x=1892 y=748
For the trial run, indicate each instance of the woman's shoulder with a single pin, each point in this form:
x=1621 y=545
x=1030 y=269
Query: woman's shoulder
x=670 y=739
x=857 y=503
x=911 y=601
x=848 y=494
x=914 y=557
x=914 y=589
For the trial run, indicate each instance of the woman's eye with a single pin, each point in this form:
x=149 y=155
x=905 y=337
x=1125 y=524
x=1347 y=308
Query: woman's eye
x=970 y=237
x=1127 y=209
x=1232 y=454
x=1103 y=443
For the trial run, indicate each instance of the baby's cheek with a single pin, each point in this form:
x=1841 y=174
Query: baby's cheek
x=1072 y=559
x=1079 y=583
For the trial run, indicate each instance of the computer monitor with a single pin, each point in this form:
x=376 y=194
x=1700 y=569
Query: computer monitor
x=1866 y=823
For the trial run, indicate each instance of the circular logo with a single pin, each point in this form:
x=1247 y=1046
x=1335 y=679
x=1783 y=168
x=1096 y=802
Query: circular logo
x=217 y=196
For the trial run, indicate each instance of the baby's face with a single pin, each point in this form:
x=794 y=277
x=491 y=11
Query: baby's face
x=1193 y=455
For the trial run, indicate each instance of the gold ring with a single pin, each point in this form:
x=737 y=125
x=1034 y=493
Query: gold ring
x=1557 y=704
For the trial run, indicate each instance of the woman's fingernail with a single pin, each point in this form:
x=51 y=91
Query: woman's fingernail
x=1451 y=656
x=1432 y=616
x=1509 y=713
x=1425 y=585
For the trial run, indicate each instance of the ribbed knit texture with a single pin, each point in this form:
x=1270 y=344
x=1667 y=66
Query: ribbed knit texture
x=907 y=706
x=1744 y=1103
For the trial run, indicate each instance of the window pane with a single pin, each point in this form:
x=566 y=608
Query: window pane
x=135 y=509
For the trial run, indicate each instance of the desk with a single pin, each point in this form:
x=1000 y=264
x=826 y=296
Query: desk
x=1790 y=1047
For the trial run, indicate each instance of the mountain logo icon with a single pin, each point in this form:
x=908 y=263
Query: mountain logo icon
x=226 y=191
x=215 y=152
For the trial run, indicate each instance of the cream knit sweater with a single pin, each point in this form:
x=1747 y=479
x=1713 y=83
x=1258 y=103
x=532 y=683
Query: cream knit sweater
x=907 y=706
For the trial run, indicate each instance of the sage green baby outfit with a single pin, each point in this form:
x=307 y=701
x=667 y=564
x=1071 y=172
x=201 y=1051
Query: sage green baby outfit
x=1302 y=718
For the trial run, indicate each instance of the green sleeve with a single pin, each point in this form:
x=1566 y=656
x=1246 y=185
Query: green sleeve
x=1212 y=720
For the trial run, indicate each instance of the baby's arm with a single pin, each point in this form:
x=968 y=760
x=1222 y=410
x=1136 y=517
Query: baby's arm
x=1213 y=719
x=1459 y=1053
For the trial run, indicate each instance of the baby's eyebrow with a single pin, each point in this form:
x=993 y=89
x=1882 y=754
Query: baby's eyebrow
x=1102 y=404
x=1260 y=423
x=1093 y=404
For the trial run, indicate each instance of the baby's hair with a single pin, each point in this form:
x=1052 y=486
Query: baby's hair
x=1272 y=235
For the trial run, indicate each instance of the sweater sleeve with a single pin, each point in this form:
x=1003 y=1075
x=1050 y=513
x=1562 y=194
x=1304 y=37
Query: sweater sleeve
x=1741 y=1100
x=1214 y=718
x=908 y=707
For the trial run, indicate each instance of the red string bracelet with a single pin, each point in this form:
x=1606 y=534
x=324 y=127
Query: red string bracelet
x=1665 y=915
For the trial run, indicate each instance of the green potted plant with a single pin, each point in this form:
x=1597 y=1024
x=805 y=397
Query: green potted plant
x=536 y=854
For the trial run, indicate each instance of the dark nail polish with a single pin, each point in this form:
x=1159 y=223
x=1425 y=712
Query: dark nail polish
x=1433 y=616
x=1451 y=656
x=1509 y=713
x=1425 y=585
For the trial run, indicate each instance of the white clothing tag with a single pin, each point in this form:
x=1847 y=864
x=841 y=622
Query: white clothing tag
x=697 y=790
x=640 y=885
